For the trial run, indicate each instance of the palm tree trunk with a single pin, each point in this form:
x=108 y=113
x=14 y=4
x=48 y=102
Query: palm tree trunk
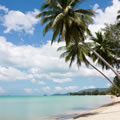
x=105 y=77
x=117 y=74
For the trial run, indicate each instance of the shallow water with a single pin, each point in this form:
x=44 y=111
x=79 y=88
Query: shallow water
x=46 y=107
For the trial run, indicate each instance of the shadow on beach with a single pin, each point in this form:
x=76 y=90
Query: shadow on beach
x=97 y=110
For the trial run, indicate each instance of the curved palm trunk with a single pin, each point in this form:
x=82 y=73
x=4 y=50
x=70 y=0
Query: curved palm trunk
x=105 y=77
x=117 y=74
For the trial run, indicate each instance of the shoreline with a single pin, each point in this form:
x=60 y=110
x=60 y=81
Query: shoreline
x=73 y=114
x=113 y=109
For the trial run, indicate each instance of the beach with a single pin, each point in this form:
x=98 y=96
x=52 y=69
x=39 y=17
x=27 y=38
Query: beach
x=109 y=111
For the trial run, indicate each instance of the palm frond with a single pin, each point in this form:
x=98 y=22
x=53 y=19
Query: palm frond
x=47 y=18
x=64 y=54
x=45 y=13
x=45 y=5
x=57 y=19
x=47 y=27
x=73 y=3
x=85 y=11
x=63 y=30
x=55 y=34
x=61 y=48
x=118 y=17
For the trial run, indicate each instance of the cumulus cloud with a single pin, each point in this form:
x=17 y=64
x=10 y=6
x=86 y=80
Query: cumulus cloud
x=41 y=83
x=104 y=16
x=19 y=21
x=66 y=89
x=58 y=89
x=3 y=8
x=38 y=64
x=46 y=89
x=12 y=74
x=49 y=90
x=28 y=90
x=108 y=85
x=33 y=80
x=88 y=87
x=62 y=80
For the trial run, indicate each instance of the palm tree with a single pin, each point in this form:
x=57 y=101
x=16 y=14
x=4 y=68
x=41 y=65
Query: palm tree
x=118 y=17
x=80 y=54
x=68 y=23
x=64 y=19
x=106 y=48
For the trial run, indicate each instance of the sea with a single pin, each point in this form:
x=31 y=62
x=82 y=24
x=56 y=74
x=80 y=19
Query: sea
x=47 y=107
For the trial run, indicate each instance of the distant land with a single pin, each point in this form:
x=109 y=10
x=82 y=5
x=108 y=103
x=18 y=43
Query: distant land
x=96 y=90
x=93 y=89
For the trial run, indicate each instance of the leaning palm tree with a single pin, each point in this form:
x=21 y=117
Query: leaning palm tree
x=106 y=48
x=80 y=54
x=68 y=23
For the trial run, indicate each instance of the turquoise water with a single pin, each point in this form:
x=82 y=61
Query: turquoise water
x=44 y=108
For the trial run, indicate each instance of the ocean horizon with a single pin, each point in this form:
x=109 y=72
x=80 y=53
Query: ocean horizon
x=46 y=107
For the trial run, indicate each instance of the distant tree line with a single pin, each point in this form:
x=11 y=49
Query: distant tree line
x=94 y=92
x=111 y=91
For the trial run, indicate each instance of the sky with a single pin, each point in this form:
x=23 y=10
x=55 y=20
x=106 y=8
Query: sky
x=29 y=65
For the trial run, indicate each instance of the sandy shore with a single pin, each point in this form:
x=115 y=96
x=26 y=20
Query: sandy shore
x=107 y=112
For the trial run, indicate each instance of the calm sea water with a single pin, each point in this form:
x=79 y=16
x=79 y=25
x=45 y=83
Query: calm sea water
x=45 y=108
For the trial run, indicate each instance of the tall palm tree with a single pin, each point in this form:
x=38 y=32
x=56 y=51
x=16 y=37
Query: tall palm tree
x=68 y=23
x=64 y=19
x=80 y=54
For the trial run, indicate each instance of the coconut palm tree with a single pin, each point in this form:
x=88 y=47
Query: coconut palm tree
x=68 y=23
x=106 y=48
x=80 y=54
x=61 y=16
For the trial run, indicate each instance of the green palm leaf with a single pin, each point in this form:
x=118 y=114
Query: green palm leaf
x=47 y=27
x=57 y=19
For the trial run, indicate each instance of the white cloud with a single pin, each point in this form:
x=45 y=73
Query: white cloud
x=38 y=64
x=28 y=90
x=46 y=89
x=58 y=89
x=63 y=80
x=3 y=8
x=19 y=21
x=66 y=89
x=2 y=90
x=108 y=85
x=107 y=16
x=12 y=74
x=88 y=87
x=41 y=82
x=33 y=80
x=71 y=88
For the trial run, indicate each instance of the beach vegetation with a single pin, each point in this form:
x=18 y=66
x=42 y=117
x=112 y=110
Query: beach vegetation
x=113 y=90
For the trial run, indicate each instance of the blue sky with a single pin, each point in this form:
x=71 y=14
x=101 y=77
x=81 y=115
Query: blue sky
x=29 y=65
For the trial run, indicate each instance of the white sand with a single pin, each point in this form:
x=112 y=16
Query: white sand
x=110 y=112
